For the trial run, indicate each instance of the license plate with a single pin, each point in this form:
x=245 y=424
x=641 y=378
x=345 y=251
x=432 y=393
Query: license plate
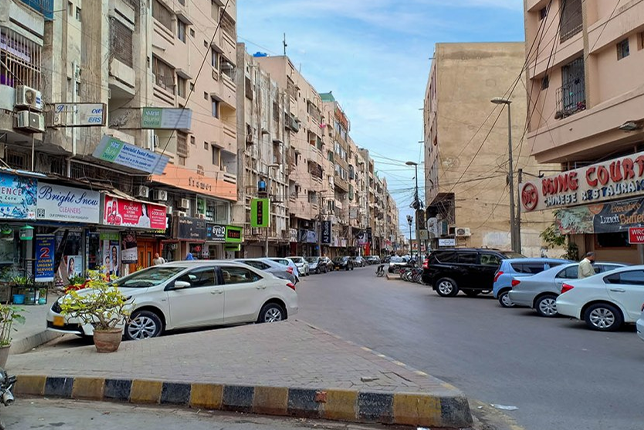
x=59 y=321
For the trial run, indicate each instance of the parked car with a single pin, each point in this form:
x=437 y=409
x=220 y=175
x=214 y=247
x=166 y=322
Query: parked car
x=605 y=301
x=640 y=324
x=540 y=291
x=317 y=265
x=270 y=266
x=290 y=264
x=302 y=265
x=192 y=294
x=373 y=259
x=340 y=263
x=471 y=270
x=518 y=268
x=395 y=263
x=359 y=261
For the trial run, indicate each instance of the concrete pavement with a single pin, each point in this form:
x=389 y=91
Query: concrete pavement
x=289 y=368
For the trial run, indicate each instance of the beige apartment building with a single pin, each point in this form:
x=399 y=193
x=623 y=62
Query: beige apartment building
x=586 y=113
x=466 y=152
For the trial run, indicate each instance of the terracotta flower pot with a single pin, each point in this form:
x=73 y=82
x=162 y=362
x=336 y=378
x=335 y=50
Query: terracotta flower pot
x=4 y=354
x=107 y=340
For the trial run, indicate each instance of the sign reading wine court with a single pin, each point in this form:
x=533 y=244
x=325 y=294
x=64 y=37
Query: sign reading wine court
x=610 y=180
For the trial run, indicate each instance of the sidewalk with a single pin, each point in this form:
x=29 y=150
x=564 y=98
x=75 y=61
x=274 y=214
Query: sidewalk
x=289 y=368
x=32 y=333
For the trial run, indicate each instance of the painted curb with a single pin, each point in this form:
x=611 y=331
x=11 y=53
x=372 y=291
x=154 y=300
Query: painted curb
x=23 y=345
x=417 y=409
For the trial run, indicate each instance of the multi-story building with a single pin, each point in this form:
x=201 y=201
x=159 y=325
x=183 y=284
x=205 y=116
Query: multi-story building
x=586 y=113
x=466 y=149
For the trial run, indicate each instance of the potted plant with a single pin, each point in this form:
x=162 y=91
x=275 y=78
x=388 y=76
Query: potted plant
x=20 y=288
x=8 y=315
x=42 y=295
x=102 y=305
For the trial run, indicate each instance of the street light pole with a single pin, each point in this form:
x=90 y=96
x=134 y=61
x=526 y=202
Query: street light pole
x=515 y=233
x=416 y=206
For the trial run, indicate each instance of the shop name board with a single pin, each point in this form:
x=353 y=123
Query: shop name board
x=216 y=233
x=621 y=177
x=56 y=202
x=234 y=234
x=18 y=197
x=128 y=213
x=166 y=118
x=191 y=228
x=326 y=232
x=118 y=152
x=79 y=114
x=636 y=235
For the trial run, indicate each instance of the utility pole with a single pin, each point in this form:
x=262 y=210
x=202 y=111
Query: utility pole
x=319 y=223
x=518 y=218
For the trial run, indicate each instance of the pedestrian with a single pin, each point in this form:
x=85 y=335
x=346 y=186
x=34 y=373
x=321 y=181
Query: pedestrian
x=189 y=256
x=157 y=260
x=586 y=266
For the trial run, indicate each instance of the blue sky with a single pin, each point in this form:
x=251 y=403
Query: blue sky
x=375 y=57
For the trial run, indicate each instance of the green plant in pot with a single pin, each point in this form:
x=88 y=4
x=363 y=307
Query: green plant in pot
x=20 y=288
x=103 y=306
x=42 y=296
x=8 y=316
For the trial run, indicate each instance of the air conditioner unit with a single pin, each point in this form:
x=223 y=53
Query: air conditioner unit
x=255 y=231
x=181 y=213
x=185 y=204
x=28 y=98
x=160 y=195
x=142 y=191
x=463 y=232
x=168 y=210
x=31 y=121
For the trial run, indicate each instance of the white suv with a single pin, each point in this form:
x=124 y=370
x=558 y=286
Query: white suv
x=193 y=294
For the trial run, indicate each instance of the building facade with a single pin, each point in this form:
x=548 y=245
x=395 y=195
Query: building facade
x=466 y=147
x=586 y=113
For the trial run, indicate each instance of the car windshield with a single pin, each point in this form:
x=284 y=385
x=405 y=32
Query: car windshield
x=149 y=277
x=297 y=259
x=312 y=259
x=513 y=255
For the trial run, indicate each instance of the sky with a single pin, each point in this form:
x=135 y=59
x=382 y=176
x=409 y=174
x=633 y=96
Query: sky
x=375 y=56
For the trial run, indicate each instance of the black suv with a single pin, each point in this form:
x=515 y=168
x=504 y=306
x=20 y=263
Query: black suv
x=340 y=263
x=471 y=270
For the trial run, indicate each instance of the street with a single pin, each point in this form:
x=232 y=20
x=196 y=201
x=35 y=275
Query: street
x=556 y=372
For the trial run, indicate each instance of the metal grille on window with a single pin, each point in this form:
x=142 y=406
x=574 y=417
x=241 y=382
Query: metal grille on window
x=121 y=42
x=162 y=14
x=20 y=60
x=571 y=97
x=163 y=74
x=228 y=25
x=571 y=21
x=182 y=144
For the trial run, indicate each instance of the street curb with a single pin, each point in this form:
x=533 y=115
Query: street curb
x=30 y=342
x=417 y=409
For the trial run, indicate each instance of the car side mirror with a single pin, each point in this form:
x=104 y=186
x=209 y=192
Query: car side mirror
x=178 y=285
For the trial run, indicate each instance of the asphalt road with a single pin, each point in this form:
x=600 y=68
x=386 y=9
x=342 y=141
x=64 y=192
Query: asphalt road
x=556 y=372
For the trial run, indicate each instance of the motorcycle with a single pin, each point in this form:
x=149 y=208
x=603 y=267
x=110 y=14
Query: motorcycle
x=6 y=385
x=380 y=272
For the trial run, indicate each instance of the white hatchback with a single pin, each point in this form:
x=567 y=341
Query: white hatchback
x=189 y=294
x=605 y=301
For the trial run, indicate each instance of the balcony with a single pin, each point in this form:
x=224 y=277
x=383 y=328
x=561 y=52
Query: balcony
x=44 y=7
x=571 y=98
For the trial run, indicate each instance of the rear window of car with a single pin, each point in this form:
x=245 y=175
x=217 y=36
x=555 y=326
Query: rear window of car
x=634 y=277
x=508 y=254
x=530 y=268
x=569 y=272
x=446 y=257
x=467 y=257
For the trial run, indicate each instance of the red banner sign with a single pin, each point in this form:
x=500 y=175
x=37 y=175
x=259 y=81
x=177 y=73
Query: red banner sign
x=636 y=235
x=127 y=213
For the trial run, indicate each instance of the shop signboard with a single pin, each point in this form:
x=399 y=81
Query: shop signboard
x=129 y=250
x=215 y=233
x=18 y=197
x=191 y=228
x=618 y=178
x=45 y=250
x=234 y=234
x=60 y=203
x=128 y=213
x=118 y=152
x=292 y=234
x=611 y=217
x=260 y=215
x=308 y=236
x=636 y=235
x=326 y=232
x=111 y=253
x=166 y=118
x=446 y=242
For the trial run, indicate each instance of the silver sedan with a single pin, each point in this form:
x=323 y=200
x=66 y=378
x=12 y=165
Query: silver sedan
x=540 y=291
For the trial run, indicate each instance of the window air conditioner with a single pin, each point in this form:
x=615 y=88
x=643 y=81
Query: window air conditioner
x=31 y=121
x=168 y=210
x=142 y=191
x=463 y=232
x=160 y=195
x=181 y=213
x=185 y=204
x=27 y=97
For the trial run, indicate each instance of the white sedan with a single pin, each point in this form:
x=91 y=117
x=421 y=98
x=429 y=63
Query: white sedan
x=640 y=324
x=605 y=301
x=188 y=294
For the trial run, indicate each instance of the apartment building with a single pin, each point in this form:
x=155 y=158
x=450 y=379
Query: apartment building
x=466 y=156
x=586 y=113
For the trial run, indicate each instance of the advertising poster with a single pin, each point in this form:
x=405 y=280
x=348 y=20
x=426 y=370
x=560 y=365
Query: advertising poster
x=111 y=254
x=45 y=249
x=129 y=252
x=17 y=197
x=70 y=266
x=128 y=213
x=611 y=217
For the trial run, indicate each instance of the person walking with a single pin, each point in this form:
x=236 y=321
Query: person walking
x=157 y=260
x=586 y=266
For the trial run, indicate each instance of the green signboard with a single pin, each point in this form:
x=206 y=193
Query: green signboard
x=234 y=234
x=166 y=118
x=260 y=215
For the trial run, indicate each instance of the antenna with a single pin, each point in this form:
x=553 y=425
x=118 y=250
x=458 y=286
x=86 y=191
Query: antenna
x=285 y=45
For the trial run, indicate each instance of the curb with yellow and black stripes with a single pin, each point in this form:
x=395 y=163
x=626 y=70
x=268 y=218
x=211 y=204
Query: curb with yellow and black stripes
x=417 y=409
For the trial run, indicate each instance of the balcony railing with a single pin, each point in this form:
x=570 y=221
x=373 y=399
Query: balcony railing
x=45 y=7
x=571 y=98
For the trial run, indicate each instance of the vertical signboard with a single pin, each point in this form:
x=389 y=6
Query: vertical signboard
x=326 y=232
x=45 y=249
x=260 y=213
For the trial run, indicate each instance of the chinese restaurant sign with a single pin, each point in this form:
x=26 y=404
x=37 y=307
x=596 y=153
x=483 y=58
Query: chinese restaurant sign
x=127 y=213
x=17 y=197
x=56 y=202
x=118 y=152
x=609 y=180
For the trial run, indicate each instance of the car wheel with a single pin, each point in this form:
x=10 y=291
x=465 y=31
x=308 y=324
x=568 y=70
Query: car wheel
x=504 y=299
x=546 y=306
x=471 y=293
x=143 y=325
x=446 y=287
x=603 y=317
x=317 y=271
x=271 y=312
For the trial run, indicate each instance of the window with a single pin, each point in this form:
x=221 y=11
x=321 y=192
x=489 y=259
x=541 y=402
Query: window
x=545 y=82
x=192 y=86
x=181 y=161
x=181 y=87
x=569 y=273
x=214 y=60
x=622 y=49
x=543 y=13
x=216 y=155
x=182 y=144
x=163 y=74
x=192 y=140
x=78 y=13
x=20 y=60
x=200 y=278
x=490 y=259
x=238 y=275
x=570 y=22
x=256 y=264
x=192 y=32
x=633 y=277
x=162 y=14
x=70 y=8
x=612 y=240
x=206 y=145
x=215 y=107
x=446 y=257
x=121 y=42
x=467 y=257
x=181 y=31
x=640 y=41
